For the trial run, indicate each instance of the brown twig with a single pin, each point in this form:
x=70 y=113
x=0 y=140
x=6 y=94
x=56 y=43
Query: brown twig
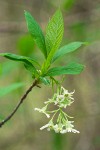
x=35 y=83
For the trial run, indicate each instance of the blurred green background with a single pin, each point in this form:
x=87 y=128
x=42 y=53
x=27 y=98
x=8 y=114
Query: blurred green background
x=82 y=23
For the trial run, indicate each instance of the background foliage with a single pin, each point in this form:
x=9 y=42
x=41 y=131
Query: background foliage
x=82 y=23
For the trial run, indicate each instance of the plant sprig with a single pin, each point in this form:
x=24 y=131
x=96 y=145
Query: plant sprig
x=49 y=45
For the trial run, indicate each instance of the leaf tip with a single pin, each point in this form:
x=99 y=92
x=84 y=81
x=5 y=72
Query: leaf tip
x=25 y=12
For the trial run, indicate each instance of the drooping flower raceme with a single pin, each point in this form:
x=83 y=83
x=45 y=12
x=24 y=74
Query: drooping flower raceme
x=61 y=99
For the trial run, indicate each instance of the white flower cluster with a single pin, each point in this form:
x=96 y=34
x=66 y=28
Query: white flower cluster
x=60 y=128
x=62 y=99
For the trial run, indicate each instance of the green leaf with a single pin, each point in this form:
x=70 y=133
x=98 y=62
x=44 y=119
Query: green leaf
x=6 y=90
x=20 y=58
x=27 y=60
x=36 y=32
x=44 y=80
x=54 y=34
x=72 y=68
x=67 y=49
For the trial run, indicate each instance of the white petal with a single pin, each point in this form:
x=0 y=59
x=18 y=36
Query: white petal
x=75 y=131
x=48 y=116
x=63 y=131
x=37 y=109
x=69 y=130
x=48 y=129
x=45 y=126
x=56 y=128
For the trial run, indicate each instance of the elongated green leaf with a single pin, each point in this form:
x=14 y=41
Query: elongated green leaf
x=6 y=90
x=26 y=60
x=72 y=68
x=36 y=32
x=54 y=32
x=67 y=49
x=54 y=36
x=19 y=58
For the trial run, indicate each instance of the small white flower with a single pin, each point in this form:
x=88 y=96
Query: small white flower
x=63 y=131
x=43 y=110
x=72 y=130
x=69 y=127
x=69 y=124
x=69 y=130
x=45 y=126
x=60 y=98
x=67 y=94
x=57 y=128
x=49 y=126
x=75 y=131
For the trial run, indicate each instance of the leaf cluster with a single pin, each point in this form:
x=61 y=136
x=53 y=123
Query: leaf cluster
x=49 y=45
